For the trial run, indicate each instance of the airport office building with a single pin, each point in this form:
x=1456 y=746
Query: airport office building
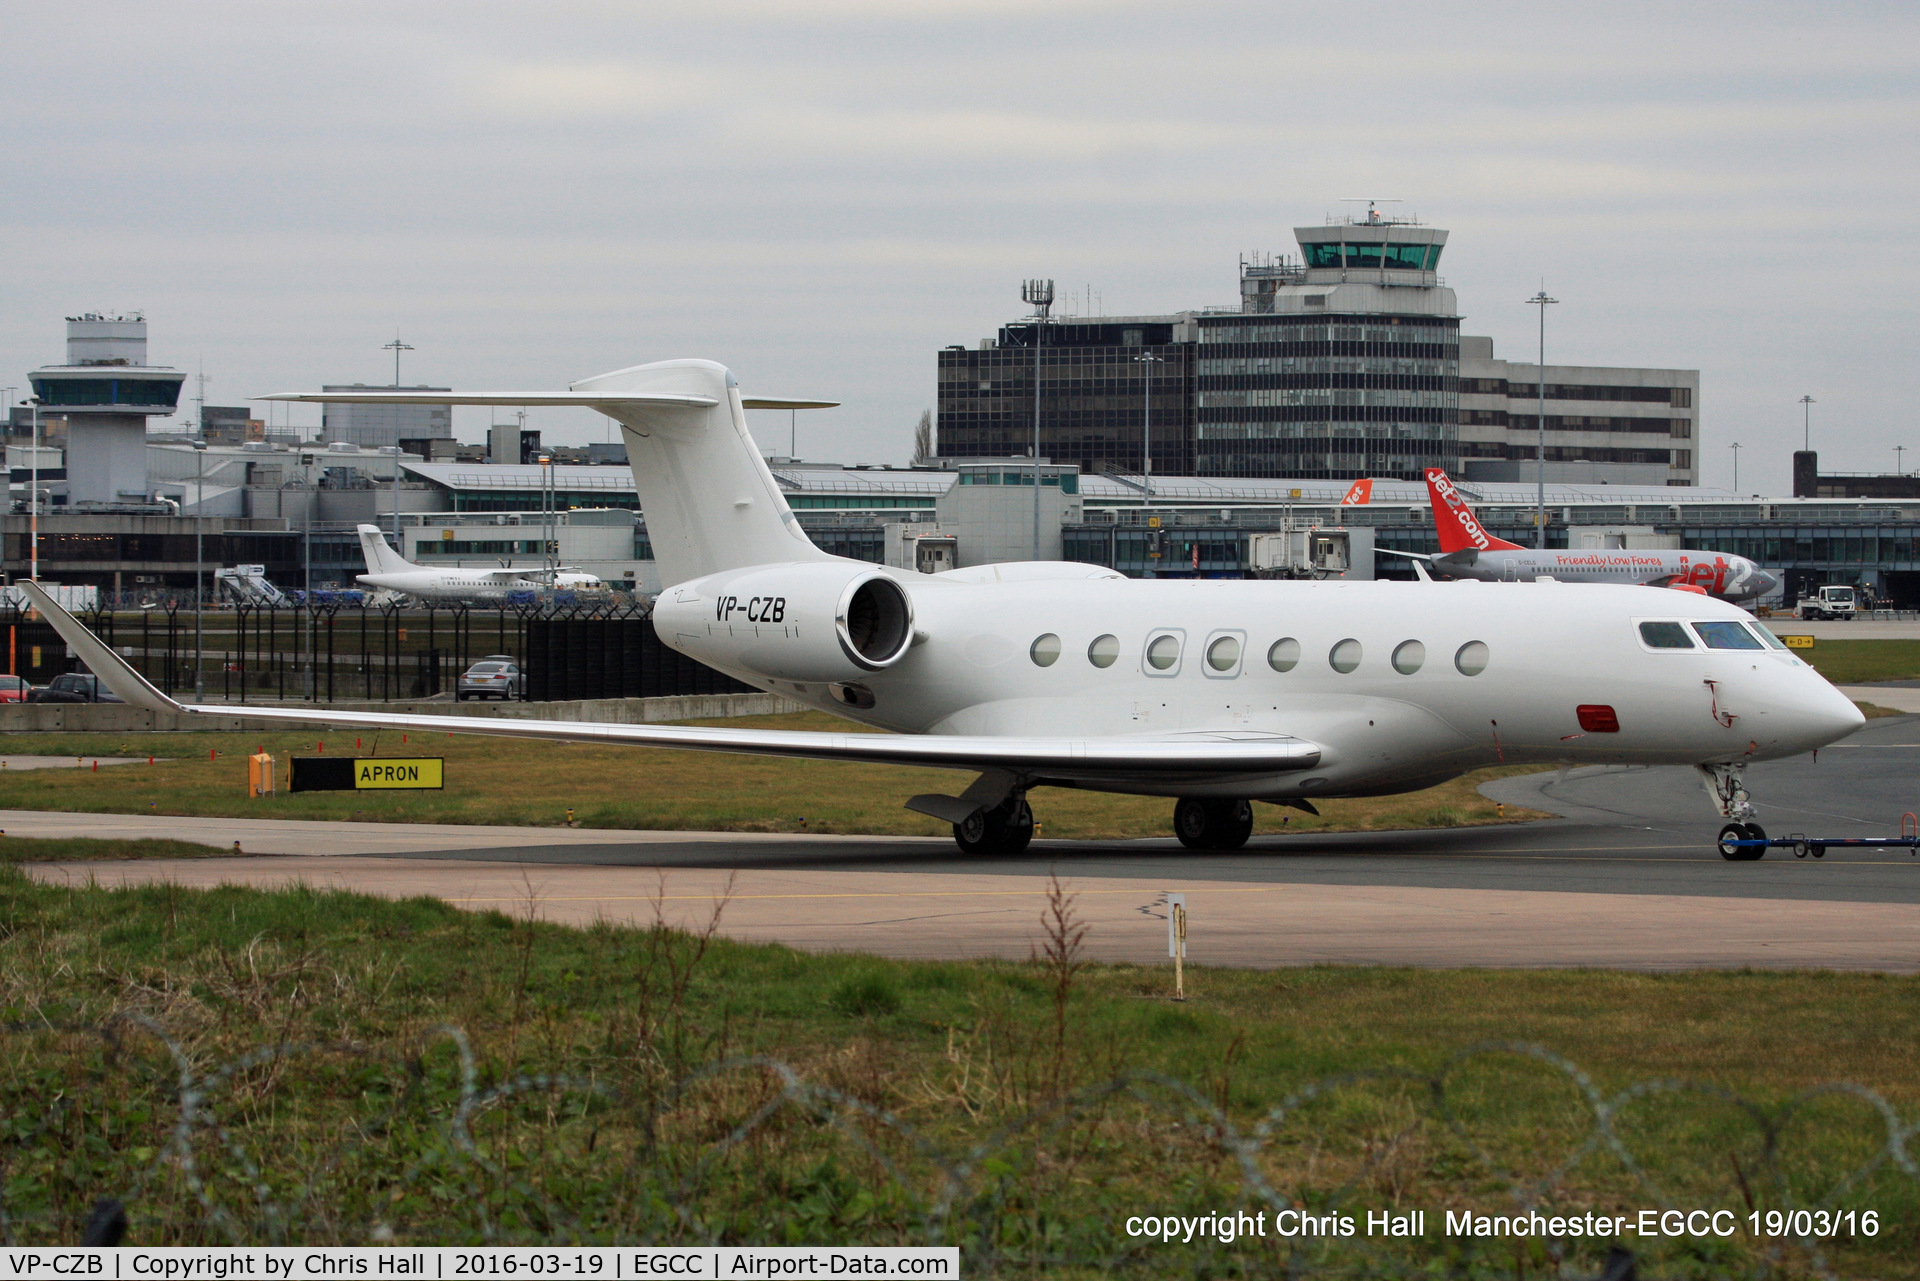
x=1347 y=362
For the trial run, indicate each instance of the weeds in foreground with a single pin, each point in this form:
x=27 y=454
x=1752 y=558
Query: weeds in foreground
x=310 y=1067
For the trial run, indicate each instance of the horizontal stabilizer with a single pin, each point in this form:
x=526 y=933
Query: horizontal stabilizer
x=539 y=399
x=534 y=399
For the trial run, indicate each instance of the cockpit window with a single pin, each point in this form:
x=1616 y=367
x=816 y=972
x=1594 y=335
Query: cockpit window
x=1766 y=637
x=1726 y=636
x=1665 y=636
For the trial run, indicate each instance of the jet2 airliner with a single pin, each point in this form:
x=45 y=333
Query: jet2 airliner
x=1216 y=693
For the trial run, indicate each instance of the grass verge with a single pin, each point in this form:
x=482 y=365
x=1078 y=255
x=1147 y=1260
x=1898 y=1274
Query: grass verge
x=1850 y=662
x=33 y=849
x=360 y=1070
x=504 y=781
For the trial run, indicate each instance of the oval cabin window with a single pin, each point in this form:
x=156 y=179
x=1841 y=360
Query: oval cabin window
x=1408 y=656
x=1345 y=656
x=1224 y=654
x=1163 y=653
x=1103 y=651
x=1284 y=654
x=1472 y=658
x=1045 y=651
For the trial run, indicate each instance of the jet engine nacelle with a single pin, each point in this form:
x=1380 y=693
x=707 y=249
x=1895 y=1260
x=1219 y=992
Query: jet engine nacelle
x=817 y=622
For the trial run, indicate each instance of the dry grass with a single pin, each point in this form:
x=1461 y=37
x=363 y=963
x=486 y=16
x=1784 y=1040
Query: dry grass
x=503 y=781
x=949 y=1050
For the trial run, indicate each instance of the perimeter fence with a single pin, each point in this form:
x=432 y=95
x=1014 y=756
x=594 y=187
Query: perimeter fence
x=330 y=648
x=134 y=1136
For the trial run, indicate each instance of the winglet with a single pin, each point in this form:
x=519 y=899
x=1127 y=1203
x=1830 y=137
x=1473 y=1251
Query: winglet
x=119 y=674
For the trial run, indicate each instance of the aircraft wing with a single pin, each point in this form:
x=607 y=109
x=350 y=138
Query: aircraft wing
x=1210 y=753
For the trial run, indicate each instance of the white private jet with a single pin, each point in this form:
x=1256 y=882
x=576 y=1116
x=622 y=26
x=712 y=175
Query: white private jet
x=387 y=568
x=1467 y=550
x=1217 y=693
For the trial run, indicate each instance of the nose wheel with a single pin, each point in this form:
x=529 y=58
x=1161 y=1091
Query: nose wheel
x=1734 y=853
x=1213 y=825
x=1007 y=828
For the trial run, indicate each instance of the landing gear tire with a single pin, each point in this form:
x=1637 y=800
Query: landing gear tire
x=1212 y=825
x=1742 y=832
x=1007 y=828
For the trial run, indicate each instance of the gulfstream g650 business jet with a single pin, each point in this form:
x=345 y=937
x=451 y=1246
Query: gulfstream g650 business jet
x=1217 y=693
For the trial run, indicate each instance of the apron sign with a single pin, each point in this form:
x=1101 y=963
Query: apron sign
x=372 y=773
x=425 y=771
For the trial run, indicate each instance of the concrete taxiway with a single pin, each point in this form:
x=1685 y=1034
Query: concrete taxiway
x=1628 y=877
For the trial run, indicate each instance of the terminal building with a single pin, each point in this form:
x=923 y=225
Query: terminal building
x=1343 y=363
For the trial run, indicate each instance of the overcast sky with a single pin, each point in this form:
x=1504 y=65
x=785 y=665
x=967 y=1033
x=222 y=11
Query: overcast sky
x=821 y=194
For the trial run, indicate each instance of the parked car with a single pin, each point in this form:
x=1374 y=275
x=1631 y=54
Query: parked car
x=13 y=689
x=495 y=676
x=74 y=687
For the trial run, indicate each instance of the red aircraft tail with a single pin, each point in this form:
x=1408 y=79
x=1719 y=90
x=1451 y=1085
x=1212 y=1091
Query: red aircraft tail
x=1460 y=530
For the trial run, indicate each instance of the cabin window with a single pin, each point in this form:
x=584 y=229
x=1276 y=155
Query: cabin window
x=1726 y=636
x=1471 y=658
x=1408 y=656
x=1665 y=636
x=1345 y=656
x=1284 y=654
x=1103 y=651
x=1223 y=654
x=1045 y=651
x=1163 y=652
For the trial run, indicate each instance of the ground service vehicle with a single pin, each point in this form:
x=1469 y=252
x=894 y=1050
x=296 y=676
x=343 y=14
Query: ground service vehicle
x=1831 y=601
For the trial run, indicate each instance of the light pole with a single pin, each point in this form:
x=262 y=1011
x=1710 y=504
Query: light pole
x=1146 y=442
x=1541 y=301
x=396 y=347
x=1735 y=447
x=1806 y=424
x=396 y=503
x=1037 y=294
x=199 y=569
x=1899 y=459
x=33 y=495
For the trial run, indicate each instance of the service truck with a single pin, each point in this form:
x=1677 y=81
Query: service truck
x=1831 y=601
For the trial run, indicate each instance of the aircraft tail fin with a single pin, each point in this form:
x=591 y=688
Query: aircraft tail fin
x=708 y=497
x=381 y=559
x=1459 y=529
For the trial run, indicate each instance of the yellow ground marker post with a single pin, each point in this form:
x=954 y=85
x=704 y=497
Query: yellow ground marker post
x=1177 y=942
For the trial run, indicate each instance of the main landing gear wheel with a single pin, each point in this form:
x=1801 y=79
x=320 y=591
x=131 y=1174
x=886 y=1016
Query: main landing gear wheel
x=1213 y=825
x=1742 y=832
x=1007 y=828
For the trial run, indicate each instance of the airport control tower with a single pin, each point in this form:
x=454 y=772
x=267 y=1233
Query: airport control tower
x=106 y=391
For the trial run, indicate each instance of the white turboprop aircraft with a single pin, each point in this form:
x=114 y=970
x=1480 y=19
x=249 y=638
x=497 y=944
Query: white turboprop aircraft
x=388 y=569
x=1066 y=675
x=1467 y=550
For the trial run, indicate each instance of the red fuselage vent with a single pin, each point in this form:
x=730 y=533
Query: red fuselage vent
x=1597 y=718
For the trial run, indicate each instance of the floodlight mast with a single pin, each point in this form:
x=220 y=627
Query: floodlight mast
x=1541 y=301
x=1037 y=294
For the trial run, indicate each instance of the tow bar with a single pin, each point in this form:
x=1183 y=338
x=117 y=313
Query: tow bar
x=1740 y=842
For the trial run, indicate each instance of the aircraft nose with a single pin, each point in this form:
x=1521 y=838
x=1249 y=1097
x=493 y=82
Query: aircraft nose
x=1763 y=582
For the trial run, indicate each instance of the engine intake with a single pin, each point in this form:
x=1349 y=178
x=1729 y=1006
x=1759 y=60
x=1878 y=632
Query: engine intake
x=875 y=622
x=819 y=622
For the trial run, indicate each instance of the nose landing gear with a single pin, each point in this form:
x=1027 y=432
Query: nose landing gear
x=1724 y=783
x=1213 y=825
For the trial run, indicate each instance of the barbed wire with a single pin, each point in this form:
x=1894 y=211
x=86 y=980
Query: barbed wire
x=959 y=1196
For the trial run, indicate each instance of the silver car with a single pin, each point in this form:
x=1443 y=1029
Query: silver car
x=495 y=676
